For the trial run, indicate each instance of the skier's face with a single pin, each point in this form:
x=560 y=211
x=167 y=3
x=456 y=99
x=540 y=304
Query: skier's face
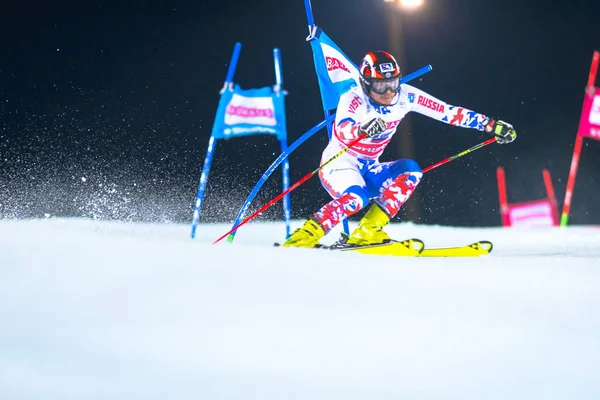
x=386 y=98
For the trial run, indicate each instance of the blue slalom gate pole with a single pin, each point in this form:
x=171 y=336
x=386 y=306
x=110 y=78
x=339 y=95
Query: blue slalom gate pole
x=287 y=203
x=285 y=169
x=416 y=74
x=211 y=146
x=272 y=167
x=311 y=23
x=309 y=14
x=233 y=64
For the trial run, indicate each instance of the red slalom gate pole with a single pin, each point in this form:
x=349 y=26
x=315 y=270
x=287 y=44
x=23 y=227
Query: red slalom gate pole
x=564 y=219
x=502 y=196
x=294 y=186
x=551 y=195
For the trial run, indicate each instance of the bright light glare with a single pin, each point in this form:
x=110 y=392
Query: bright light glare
x=410 y=3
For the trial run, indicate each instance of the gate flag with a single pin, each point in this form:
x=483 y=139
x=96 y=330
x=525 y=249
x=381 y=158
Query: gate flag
x=335 y=72
x=248 y=112
x=590 y=115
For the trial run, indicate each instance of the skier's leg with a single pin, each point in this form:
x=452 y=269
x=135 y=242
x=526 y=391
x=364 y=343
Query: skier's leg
x=391 y=184
x=344 y=182
x=395 y=184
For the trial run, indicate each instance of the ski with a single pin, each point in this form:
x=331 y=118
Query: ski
x=414 y=248
x=407 y=248
x=480 y=248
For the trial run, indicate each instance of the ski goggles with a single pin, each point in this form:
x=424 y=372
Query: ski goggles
x=380 y=86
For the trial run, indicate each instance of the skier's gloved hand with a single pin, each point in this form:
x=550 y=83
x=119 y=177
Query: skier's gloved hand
x=373 y=128
x=504 y=132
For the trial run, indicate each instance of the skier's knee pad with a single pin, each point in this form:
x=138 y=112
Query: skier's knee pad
x=396 y=194
x=350 y=202
x=412 y=179
x=361 y=194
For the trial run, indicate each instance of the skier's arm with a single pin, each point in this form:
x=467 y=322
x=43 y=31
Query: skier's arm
x=349 y=117
x=425 y=104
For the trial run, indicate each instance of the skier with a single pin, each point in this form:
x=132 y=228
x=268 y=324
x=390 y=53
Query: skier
x=375 y=108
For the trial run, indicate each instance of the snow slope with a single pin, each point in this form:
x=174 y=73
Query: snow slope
x=109 y=310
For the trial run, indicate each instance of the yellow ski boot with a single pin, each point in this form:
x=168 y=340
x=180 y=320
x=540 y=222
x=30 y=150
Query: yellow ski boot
x=307 y=236
x=370 y=228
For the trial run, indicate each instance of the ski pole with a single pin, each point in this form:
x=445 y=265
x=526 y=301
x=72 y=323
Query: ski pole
x=310 y=174
x=294 y=186
x=454 y=157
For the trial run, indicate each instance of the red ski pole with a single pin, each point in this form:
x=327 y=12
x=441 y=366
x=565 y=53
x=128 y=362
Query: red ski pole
x=454 y=157
x=294 y=186
x=310 y=174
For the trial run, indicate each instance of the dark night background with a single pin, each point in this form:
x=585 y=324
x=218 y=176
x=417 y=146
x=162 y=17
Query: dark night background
x=106 y=106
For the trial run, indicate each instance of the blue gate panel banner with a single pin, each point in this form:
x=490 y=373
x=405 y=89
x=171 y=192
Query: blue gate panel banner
x=249 y=112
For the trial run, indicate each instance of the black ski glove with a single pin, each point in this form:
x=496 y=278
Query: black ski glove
x=374 y=128
x=504 y=132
